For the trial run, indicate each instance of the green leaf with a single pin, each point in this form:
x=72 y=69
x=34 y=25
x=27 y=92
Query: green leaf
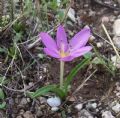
x=2 y=96
x=5 y=81
x=74 y=71
x=104 y=61
x=63 y=114
x=60 y=14
x=3 y=105
x=3 y=50
x=53 y=4
x=88 y=55
x=45 y=90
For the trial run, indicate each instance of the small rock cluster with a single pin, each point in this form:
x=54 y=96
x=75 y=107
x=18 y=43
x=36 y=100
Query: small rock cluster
x=92 y=109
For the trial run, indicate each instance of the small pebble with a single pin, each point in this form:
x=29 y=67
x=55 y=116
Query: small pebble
x=116 y=40
x=86 y=5
x=72 y=99
x=23 y=101
x=71 y=14
x=118 y=94
x=21 y=112
x=112 y=18
x=105 y=19
x=92 y=13
x=45 y=70
x=115 y=61
x=54 y=101
x=107 y=114
x=84 y=114
x=39 y=113
x=99 y=44
x=116 y=108
x=116 y=27
x=54 y=108
x=94 y=105
x=118 y=88
x=31 y=84
x=92 y=38
x=28 y=114
x=40 y=77
x=79 y=106
x=91 y=105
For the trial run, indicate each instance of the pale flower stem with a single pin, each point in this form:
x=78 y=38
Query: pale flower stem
x=61 y=73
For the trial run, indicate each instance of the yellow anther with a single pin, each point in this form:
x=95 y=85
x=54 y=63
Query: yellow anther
x=63 y=54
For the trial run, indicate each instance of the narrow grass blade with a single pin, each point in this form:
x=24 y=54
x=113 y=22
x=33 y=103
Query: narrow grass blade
x=45 y=90
x=74 y=71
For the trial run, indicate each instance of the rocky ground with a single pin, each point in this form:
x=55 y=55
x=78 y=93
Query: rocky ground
x=95 y=91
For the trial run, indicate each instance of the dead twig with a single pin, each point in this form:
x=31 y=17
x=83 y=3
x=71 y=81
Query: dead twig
x=107 y=34
x=84 y=81
x=79 y=87
x=104 y=5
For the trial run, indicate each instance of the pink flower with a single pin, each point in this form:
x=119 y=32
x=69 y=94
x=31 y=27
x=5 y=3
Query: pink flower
x=63 y=50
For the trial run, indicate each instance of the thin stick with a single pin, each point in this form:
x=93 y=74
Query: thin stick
x=36 y=41
x=79 y=87
x=84 y=81
x=102 y=38
x=14 y=90
x=106 y=32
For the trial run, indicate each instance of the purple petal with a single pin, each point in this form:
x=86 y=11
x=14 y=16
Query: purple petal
x=81 y=51
x=68 y=58
x=48 y=41
x=51 y=53
x=80 y=39
x=61 y=38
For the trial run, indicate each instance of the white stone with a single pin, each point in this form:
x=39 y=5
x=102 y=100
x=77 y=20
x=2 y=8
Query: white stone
x=118 y=88
x=99 y=44
x=107 y=114
x=92 y=13
x=116 y=108
x=85 y=114
x=105 y=19
x=116 y=61
x=71 y=14
x=92 y=38
x=117 y=94
x=54 y=101
x=114 y=58
x=54 y=108
x=94 y=105
x=116 y=31
x=31 y=84
x=116 y=40
x=116 y=27
x=23 y=101
x=112 y=18
x=91 y=105
x=79 y=106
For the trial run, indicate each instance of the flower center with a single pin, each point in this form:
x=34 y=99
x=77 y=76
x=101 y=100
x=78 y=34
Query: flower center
x=63 y=54
x=62 y=51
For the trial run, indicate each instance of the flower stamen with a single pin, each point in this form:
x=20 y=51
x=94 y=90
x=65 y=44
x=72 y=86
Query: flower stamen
x=62 y=51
